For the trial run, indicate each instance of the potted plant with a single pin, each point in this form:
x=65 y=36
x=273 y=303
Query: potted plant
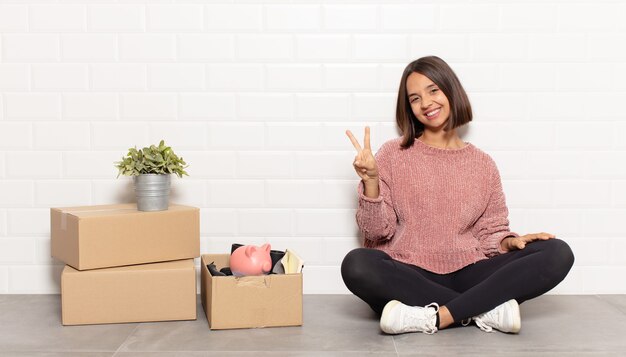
x=150 y=168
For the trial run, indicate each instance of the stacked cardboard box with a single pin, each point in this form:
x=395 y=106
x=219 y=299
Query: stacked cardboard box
x=124 y=265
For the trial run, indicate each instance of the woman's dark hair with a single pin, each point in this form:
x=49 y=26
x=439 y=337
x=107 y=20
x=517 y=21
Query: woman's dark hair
x=438 y=71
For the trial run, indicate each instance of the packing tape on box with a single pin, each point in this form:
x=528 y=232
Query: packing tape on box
x=254 y=281
x=64 y=213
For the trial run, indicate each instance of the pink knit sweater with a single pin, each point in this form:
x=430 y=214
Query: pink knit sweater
x=439 y=209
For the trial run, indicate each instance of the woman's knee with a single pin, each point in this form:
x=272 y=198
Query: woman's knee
x=562 y=252
x=358 y=265
x=560 y=257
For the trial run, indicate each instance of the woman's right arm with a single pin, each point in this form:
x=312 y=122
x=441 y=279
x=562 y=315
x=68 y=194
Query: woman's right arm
x=375 y=214
x=376 y=217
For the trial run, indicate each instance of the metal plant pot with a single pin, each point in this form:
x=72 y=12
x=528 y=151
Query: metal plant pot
x=153 y=192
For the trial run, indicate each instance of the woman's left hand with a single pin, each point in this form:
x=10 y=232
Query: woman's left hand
x=512 y=243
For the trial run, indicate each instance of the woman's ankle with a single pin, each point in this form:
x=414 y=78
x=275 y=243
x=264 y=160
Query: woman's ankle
x=444 y=318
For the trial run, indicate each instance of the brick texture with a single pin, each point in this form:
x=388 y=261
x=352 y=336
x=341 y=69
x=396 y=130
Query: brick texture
x=256 y=96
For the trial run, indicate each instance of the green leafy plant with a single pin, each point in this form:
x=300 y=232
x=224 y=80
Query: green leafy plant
x=151 y=160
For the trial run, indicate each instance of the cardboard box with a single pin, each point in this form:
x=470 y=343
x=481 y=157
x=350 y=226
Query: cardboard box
x=138 y=293
x=91 y=237
x=251 y=301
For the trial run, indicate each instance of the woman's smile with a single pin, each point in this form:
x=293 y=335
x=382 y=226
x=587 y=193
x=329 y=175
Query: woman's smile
x=433 y=114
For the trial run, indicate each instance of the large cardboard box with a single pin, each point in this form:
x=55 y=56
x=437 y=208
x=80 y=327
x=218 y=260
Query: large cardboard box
x=91 y=237
x=138 y=293
x=251 y=301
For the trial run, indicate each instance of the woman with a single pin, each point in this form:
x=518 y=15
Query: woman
x=438 y=249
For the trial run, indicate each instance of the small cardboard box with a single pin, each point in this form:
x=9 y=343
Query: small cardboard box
x=251 y=301
x=92 y=237
x=138 y=293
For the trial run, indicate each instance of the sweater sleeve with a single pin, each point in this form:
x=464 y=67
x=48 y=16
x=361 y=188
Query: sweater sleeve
x=493 y=225
x=376 y=217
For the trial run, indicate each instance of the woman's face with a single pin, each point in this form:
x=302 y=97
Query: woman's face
x=430 y=106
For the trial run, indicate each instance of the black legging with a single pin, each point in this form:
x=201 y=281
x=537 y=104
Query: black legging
x=376 y=278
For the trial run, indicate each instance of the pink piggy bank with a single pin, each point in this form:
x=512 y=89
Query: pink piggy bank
x=251 y=260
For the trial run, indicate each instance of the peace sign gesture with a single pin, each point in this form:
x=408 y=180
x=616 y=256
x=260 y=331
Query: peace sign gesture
x=364 y=162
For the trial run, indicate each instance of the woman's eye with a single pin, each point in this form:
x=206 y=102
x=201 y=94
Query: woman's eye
x=434 y=90
x=414 y=100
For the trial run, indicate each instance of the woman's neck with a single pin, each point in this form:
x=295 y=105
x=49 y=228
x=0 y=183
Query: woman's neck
x=442 y=140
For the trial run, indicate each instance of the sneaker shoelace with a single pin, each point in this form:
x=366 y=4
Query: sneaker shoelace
x=428 y=319
x=482 y=320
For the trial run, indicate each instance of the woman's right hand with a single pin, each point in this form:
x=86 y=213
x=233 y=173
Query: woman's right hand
x=364 y=162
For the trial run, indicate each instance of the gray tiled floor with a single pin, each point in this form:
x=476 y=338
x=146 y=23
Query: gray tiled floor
x=334 y=325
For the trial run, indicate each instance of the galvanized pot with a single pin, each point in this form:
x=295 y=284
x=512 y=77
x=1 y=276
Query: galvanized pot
x=153 y=191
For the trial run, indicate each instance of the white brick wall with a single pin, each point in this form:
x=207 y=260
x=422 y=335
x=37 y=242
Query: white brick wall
x=352 y=18
x=15 y=77
x=34 y=106
x=61 y=136
x=292 y=18
x=28 y=221
x=91 y=47
x=266 y=164
x=2 y=167
x=17 y=193
x=529 y=18
x=237 y=193
x=13 y=18
x=30 y=47
x=90 y=106
x=218 y=222
x=95 y=164
x=116 y=18
x=256 y=97
x=4 y=279
x=61 y=193
x=15 y=135
x=116 y=77
x=179 y=17
x=148 y=106
x=237 y=17
x=408 y=17
x=335 y=47
x=176 y=77
x=353 y=77
x=190 y=135
x=147 y=47
x=61 y=18
x=26 y=165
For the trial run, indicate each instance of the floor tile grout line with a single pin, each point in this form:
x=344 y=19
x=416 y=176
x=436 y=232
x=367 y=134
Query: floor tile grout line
x=393 y=339
x=126 y=339
x=233 y=351
x=608 y=302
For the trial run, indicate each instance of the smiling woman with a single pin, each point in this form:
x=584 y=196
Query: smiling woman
x=432 y=88
x=433 y=214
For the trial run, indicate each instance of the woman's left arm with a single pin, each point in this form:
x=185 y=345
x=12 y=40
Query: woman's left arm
x=492 y=228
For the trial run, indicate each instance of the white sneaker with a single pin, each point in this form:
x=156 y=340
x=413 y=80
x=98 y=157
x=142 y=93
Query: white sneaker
x=505 y=317
x=400 y=318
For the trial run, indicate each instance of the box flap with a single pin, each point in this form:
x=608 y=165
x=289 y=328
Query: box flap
x=173 y=265
x=125 y=208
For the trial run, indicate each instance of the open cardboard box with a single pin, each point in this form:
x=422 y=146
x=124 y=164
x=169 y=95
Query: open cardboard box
x=250 y=301
x=138 y=293
x=91 y=237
